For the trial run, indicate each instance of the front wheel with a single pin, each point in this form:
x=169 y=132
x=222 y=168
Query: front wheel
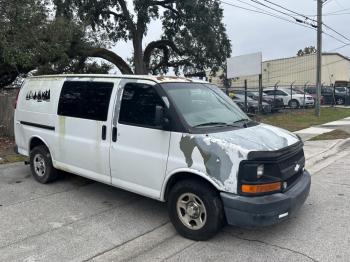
x=195 y=209
x=293 y=104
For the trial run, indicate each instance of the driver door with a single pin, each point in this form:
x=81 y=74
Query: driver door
x=139 y=149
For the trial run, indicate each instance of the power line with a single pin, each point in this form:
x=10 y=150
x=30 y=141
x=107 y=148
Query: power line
x=297 y=21
x=307 y=18
x=265 y=13
x=330 y=28
x=299 y=14
x=294 y=12
x=340 y=47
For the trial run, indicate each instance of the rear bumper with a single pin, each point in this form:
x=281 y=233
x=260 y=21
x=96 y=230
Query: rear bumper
x=266 y=210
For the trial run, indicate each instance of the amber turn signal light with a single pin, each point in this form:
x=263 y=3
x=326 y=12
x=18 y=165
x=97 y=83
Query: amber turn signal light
x=263 y=188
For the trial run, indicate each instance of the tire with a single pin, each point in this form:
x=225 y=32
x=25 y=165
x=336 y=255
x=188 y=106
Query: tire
x=340 y=101
x=41 y=165
x=294 y=104
x=195 y=209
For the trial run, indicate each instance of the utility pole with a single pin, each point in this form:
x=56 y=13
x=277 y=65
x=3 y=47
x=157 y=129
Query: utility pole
x=319 y=58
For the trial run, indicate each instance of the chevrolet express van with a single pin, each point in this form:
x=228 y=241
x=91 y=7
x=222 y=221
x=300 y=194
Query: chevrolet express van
x=168 y=138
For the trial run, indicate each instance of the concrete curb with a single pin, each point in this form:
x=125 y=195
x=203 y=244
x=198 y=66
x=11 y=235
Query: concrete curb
x=314 y=160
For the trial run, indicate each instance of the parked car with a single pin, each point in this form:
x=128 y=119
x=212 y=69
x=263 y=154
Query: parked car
x=292 y=98
x=276 y=103
x=253 y=105
x=328 y=97
x=312 y=92
x=172 y=139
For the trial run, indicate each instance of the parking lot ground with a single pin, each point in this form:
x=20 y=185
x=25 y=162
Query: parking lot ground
x=76 y=219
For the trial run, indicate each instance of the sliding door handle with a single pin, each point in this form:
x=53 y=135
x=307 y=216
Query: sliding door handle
x=114 y=134
x=104 y=132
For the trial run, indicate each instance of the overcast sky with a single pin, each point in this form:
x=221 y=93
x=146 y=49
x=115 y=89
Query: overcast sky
x=252 y=32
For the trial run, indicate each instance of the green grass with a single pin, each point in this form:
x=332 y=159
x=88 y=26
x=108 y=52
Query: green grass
x=335 y=134
x=300 y=119
x=12 y=158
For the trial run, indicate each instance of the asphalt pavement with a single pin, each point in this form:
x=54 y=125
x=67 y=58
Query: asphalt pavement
x=76 y=219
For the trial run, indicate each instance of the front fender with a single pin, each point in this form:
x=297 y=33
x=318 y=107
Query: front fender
x=191 y=172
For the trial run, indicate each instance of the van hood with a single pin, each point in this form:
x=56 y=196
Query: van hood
x=261 y=137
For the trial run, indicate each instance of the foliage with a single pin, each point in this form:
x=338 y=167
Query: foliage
x=29 y=40
x=307 y=51
x=193 y=35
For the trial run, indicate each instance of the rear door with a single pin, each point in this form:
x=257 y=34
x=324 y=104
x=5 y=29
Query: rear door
x=139 y=149
x=82 y=146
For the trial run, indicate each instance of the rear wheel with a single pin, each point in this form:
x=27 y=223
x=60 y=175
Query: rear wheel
x=41 y=165
x=195 y=209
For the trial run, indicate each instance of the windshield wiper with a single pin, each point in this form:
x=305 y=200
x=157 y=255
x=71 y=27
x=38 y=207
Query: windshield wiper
x=242 y=120
x=245 y=121
x=212 y=124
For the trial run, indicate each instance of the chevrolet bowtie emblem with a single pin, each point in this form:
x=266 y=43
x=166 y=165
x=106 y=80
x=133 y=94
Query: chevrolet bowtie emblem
x=296 y=168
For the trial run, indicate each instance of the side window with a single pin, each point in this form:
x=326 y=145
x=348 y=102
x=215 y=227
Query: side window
x=280 y=93
x=138 y=105
x=269 y=92
x=88 y=100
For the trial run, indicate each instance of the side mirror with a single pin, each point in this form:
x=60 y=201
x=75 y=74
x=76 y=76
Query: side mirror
x=160 y=118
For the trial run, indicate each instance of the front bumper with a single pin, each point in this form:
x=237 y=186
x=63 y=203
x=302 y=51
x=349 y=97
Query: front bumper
x=266 y=210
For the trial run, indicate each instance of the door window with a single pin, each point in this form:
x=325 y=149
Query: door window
x=280 y=93
x=88 y=100
x=138 y=105
x=269 y=92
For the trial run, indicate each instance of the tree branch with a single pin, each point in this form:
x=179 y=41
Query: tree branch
x=127 y=15
x=116 y=15
x=160 y=44
x=111 y=57
x=165 y=4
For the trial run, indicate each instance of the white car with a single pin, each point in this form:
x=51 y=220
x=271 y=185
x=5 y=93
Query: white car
x=172 y=139
x=292 y=98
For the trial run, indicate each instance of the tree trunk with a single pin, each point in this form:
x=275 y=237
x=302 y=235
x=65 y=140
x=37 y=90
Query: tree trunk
x=140 y=67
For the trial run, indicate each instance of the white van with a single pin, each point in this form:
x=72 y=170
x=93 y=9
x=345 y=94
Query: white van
x=168 y=138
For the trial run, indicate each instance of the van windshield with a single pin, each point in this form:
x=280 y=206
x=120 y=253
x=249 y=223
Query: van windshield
x=204 y=105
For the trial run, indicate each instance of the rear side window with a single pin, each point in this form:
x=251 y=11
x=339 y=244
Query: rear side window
x=138 y=106
x=88 y=100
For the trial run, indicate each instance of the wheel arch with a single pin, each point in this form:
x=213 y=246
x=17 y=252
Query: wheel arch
x=182 y=174
x=35 y=141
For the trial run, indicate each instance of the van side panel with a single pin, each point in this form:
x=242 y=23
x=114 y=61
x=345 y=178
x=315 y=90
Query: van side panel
x=36 y=111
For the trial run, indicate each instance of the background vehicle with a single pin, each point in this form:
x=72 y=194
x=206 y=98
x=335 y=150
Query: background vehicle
x=253 y=105
x=293 y=99
x=312 y=92
x=276 y=103
x=328 y=96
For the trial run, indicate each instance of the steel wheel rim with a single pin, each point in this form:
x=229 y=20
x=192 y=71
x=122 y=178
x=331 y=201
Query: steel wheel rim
x=191 y=211
x=39 y=165
x=293 y=104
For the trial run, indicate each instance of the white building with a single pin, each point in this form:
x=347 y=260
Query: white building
x=297 y=71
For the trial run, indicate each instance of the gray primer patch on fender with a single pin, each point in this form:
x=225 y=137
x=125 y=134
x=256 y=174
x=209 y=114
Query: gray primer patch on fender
x=216 y=160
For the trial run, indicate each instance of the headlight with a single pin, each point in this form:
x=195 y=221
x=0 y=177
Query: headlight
x=259 y=171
